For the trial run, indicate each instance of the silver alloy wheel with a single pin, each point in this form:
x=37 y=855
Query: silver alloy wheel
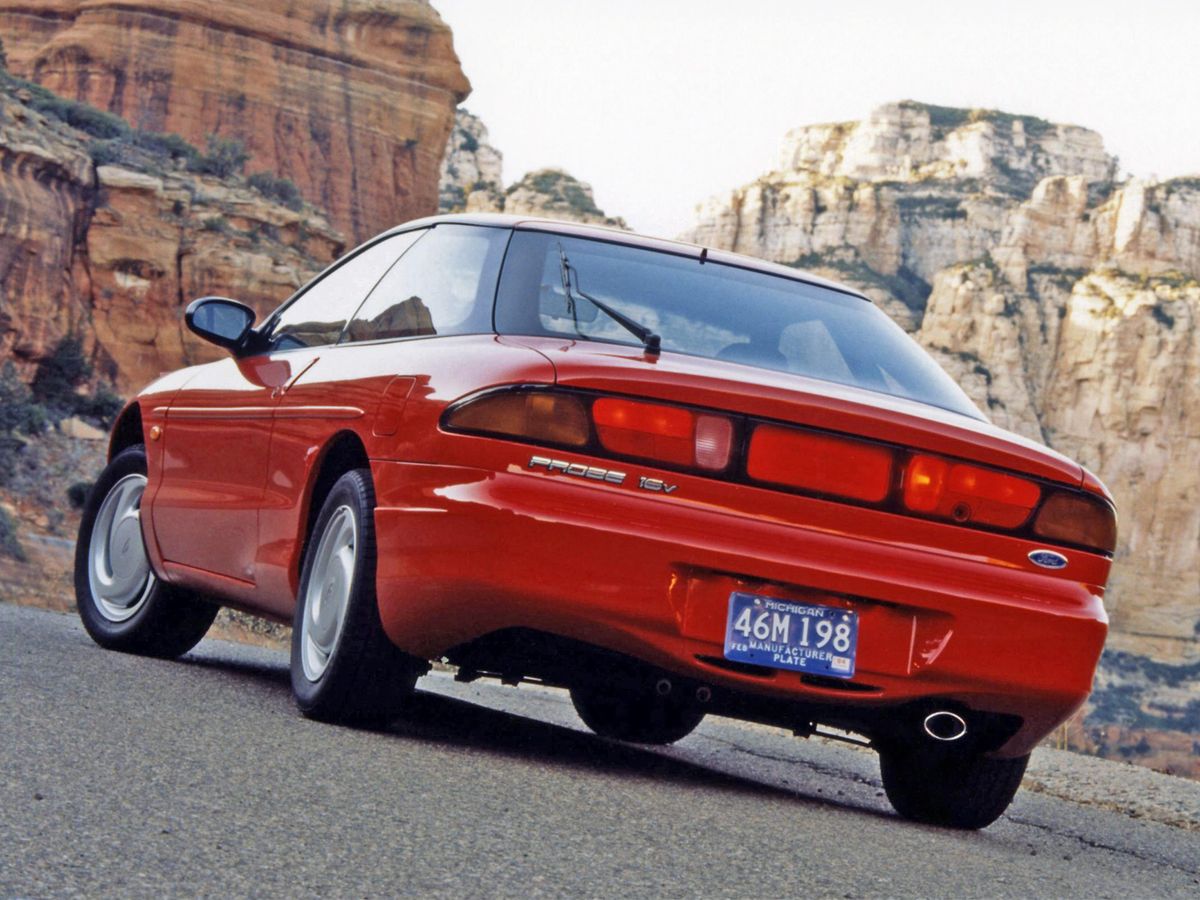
x=119 y=571
x=328 y=596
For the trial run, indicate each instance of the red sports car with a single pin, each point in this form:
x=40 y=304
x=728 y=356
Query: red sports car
x=671 y=480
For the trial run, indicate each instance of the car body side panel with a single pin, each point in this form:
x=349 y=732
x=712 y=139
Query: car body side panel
x=153 y=402
x=214 y=466
x=339 y=390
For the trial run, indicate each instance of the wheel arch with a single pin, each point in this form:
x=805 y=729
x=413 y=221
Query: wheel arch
x=128 y=430
x=342 y=453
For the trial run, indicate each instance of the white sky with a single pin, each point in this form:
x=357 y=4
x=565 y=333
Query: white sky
x=659 y=104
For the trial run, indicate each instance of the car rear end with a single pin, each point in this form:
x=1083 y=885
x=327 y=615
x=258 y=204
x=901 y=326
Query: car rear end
x=784 y=547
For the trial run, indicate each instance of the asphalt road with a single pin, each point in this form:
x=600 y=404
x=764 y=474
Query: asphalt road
x=131 y=777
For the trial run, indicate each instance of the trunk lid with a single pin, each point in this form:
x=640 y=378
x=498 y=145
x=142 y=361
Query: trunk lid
x=800 y=400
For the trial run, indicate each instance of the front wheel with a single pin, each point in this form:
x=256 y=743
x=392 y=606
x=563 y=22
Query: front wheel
x=968 y=792
x=123 y=604
x=344 y=668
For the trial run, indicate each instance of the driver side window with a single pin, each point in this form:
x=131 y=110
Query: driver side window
x=318 y=316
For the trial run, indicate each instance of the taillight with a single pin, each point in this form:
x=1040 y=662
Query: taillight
x=669 y=434
x=1077 y=519
x=969 y=494
x=813 y=462
x=674 y=435
x=541 y=416
x=820 y=463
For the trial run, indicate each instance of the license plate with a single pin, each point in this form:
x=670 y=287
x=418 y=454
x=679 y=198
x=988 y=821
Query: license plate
x=783 y=634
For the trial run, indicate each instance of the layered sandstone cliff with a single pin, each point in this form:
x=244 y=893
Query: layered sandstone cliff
x=350 y=99
x=1067 y=304
x=114 y=254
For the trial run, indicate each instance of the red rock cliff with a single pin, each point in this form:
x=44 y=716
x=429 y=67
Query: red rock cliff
x=351 y=99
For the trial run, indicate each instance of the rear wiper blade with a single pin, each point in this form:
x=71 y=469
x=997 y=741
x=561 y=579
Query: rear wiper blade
x=651 y=341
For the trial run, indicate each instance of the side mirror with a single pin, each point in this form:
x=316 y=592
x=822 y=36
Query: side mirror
x=221 y=321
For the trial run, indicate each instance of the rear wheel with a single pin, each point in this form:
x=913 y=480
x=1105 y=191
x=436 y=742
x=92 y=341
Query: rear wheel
x=968 y=791
x=344 y=668
x=643 y=717
x=123 y=604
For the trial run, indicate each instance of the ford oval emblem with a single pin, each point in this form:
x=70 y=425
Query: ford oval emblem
x=1048 y=559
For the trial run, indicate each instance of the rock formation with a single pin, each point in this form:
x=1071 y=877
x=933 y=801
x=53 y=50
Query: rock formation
x=46 y=192
x=115 y=253
x=352 y=100
x=471 y=165
x=1067 y=304
x=472 y=181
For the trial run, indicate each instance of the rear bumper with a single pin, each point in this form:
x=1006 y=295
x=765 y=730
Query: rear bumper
x=464 y=552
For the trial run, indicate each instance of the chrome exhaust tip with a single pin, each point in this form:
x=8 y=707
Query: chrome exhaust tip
x=944 y=725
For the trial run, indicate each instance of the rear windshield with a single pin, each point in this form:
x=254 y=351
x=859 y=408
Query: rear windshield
x=715 y=311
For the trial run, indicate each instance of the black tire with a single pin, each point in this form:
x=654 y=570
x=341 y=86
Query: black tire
x=364 y=679
x=966 y=792
x=158 y=619
x=641 y=718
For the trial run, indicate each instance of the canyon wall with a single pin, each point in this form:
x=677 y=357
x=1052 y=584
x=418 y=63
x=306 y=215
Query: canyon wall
x=352 y=100
x=1066 y=302
x=114 y=253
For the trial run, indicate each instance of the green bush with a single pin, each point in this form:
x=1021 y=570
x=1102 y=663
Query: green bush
x=282 y=190
x=77 y=114
x=223 y=157
x=18 y=411
x=77 y=494
x=11 y=449
x=106 y=153
x=103 y=404
x=9 y=545
x=169 y=145
x=139 y=148
x=216 y=223
x=55 y=386
x=60 y=373
x=96 y=122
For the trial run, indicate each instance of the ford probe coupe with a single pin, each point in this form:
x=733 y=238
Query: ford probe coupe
x=671 y=480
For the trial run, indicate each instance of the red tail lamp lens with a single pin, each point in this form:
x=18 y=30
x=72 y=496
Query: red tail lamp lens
x=1076 y=519
x=665 y=433
x=820 y=463
x=538 y=415
x=967 y=493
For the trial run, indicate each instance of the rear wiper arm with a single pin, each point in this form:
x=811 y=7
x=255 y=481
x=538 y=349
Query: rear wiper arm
x=651 y=341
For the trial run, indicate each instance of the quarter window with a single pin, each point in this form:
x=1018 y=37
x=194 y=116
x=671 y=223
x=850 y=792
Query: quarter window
x=444 y=285
x=318 y=315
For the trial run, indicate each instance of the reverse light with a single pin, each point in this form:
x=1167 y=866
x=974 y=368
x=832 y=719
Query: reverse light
x=968 y=494
x=541 y=416
x=820 y=463
x=1077 y=519
x=669 y=434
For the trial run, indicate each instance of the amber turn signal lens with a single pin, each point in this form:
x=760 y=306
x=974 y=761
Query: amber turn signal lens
x=820 y=463
x=965 y=493
x=536 y=415
x=1077 y=519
